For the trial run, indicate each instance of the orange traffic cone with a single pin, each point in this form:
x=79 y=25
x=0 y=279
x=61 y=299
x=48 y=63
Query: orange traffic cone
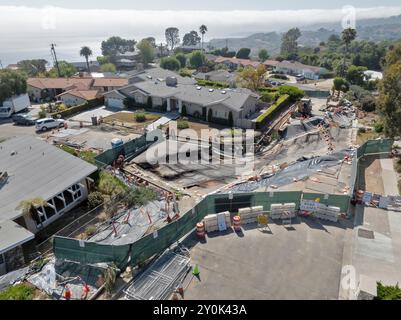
x=67 y=293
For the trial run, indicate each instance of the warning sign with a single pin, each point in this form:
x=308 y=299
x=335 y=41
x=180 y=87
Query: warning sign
x=309 y=205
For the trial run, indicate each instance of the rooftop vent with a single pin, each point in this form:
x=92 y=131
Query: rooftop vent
x=171 y=81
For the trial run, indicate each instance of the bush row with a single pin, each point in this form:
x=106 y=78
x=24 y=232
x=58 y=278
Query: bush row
x=77 y=109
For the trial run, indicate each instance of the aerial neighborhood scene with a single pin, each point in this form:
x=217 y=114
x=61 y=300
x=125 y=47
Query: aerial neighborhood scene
x=200 y=151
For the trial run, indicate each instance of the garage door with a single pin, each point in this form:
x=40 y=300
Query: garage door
x=115 y=103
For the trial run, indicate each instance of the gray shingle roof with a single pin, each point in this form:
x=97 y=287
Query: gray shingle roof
x=37 y=169
x=159 y=73
x=12 y=235
x=232 y=98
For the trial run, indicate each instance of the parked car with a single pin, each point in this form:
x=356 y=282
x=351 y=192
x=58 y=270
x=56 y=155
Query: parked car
x=299 y=77
x=49 y=123
x=24 y=119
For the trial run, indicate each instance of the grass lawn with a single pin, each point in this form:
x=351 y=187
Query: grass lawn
x=129 y=118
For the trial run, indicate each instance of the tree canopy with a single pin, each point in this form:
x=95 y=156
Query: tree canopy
x=172 y=37
x=147 y=51
x=182 y=58
x=66 y=69
x=263 y=55
x=243 y=53
x=170 y=63
x=197 y=59
x=191 y=39
x=252 y=78
x=33 y=67
x=114 y=45
x=289 y=44
x=12 y=83
x=108 y=67
x=390 y=88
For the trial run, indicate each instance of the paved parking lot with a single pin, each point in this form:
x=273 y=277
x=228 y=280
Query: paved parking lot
x=300 y=263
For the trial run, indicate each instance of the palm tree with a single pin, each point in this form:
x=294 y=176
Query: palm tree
x=202 y=30
x=86 y=52
x=348 y=36
x=29 y=208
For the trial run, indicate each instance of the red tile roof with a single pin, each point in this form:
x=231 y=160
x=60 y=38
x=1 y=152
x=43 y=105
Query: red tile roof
x=60 y=83
x=110 y=82
x=84 y=94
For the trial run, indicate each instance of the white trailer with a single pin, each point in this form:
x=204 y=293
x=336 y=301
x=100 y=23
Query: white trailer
x=14 y=105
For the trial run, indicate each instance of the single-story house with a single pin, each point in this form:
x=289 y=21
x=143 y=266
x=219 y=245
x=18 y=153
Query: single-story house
x=295 y=68
x=235 y=63
x=36 y=169
x=271 y=64
x=197 y=101
x=108 y=84
x=77 y=97
x=42 y=88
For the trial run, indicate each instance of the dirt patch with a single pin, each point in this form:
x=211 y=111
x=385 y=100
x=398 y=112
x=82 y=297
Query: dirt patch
x=370 y=175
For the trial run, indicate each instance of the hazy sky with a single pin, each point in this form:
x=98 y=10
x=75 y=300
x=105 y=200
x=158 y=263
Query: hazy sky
x=28 y=27
x=204 y=4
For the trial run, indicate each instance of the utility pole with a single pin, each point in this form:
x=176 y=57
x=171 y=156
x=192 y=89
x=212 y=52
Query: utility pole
x=53 y=53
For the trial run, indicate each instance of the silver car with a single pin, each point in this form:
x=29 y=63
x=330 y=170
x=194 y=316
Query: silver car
x=49 y=123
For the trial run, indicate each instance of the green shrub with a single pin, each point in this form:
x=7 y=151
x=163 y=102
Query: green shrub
x=184 y=110
x=140 y=117
x=110 y=185
x=42 y=113
x=20 y=291
x=361 y=130
x=397 y=166
x=388 y=292
x=182 y=124
x=95 y=199
x=140 y=196
x=78 y=109
x=212 y=84
x=293 y=92
x=90 y=230
x=379 y=127
x=269 y=96
x=280 y=102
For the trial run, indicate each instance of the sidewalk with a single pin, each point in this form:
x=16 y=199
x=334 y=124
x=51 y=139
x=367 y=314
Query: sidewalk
x=373 y=247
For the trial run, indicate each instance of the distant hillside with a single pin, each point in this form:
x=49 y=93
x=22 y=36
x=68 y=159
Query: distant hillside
x=371 y=29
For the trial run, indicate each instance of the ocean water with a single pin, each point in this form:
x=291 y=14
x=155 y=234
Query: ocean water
x=16 y=49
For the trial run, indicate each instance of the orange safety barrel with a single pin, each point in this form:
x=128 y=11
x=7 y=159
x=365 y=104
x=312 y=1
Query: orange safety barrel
x=200 y=230
x=237 y=223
